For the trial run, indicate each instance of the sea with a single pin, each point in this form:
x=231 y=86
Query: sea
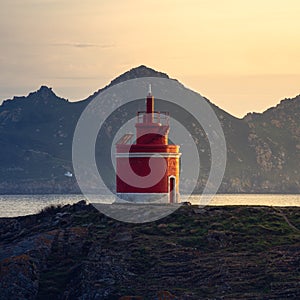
x=21 y=205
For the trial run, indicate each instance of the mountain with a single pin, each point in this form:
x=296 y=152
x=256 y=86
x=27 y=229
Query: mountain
x=275 y=138
x=139 y=72
x=36 y=132
x=36 y=142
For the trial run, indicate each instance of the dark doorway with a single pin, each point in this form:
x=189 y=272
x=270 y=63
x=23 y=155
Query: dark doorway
x=172 y=189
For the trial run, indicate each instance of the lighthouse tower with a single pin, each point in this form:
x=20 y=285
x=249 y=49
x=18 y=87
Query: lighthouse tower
x=147 y=171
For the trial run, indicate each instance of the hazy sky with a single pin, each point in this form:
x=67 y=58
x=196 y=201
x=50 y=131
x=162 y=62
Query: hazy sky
x=242 y=55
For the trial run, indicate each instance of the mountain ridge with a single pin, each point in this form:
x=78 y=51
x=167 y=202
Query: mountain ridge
x=36 y=131
x=138 y=72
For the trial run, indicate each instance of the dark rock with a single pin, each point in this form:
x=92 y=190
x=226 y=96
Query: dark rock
x=222 y=253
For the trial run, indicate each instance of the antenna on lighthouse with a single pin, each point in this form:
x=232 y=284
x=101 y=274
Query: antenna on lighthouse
x=149 y=106
x=150 y=91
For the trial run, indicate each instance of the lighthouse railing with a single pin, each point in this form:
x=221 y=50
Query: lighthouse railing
x=161 y=117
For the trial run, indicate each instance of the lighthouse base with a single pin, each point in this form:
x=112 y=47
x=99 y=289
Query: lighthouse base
x=143 y=198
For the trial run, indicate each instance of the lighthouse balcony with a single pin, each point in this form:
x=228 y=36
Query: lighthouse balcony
x=158 y=117
x=147 y=150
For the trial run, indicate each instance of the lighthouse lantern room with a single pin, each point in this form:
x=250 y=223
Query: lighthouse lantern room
x=147 y=171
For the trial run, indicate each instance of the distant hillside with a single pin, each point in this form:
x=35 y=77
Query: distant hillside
x=275 y=138
x=36 y=144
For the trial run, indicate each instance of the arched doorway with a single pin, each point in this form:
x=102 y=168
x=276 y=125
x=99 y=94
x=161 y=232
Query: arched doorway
x=172 y=189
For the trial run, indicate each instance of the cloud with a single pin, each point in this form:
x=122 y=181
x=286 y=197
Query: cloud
x=73 y=77
x=83 y=45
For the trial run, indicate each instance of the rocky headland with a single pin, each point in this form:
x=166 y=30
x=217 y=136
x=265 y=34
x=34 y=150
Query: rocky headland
x=76 y=252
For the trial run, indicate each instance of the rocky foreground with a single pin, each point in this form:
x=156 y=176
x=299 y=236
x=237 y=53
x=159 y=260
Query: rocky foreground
x=75 y=252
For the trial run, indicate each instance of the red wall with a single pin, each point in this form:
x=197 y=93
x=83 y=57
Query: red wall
x=141 y=167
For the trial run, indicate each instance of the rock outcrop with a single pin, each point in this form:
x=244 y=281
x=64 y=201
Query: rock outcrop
x=76 y=252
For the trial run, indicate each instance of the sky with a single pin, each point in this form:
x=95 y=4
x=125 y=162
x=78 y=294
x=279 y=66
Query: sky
x=242 y=55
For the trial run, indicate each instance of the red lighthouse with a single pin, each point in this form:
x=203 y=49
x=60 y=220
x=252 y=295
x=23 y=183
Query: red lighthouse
x=148 y=170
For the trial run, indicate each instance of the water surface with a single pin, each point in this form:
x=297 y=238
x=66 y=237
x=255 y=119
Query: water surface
x=20 y=205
